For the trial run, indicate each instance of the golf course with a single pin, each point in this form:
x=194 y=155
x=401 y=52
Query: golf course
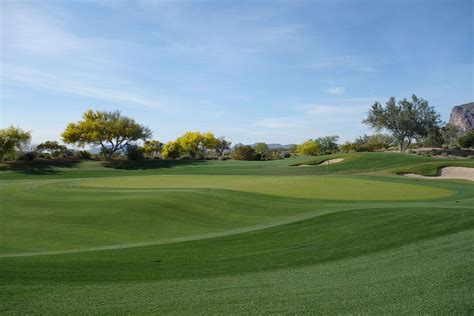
x=289 y=236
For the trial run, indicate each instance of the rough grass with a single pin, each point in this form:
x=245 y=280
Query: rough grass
x=219 y=237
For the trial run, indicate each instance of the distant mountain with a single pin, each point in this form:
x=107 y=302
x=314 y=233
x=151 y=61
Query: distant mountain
x=280 y=146
x=271 y=146
x=462 y=116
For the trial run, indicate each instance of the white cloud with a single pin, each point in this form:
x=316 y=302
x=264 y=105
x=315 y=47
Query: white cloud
x=35 y=32
x=40 y=52
x=41 y=80
x=348 y=62
x=336 y=90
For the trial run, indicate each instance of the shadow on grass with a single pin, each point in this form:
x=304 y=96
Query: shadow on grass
x=38 y=167
x=150 y=164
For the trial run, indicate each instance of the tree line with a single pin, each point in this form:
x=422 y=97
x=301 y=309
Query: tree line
x=407 y=123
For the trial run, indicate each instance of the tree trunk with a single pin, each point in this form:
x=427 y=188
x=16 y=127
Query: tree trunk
x=403 y=148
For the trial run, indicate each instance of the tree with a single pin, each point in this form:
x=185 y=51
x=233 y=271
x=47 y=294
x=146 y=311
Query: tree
x=222 y=146
x=450 y=134
x=53 y=147
x=244 y=152
x=327 y=144
x=109 y=130
x=467 y=140
x=11 y=139
x=196 y=144
x=434 y=138
x=406 y=120
x=172 y=150
x=308 y=148
x=134 y=152
x=262 y=150
x=152 y=148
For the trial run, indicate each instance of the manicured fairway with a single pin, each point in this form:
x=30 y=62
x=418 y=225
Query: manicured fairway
x=317 y=187
x=227 y=237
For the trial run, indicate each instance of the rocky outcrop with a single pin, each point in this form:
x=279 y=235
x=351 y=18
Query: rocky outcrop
x=462 y=116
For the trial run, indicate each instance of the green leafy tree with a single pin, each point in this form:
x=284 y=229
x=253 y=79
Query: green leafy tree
x=196 y=144
x=11 y=139
x=109 y=130
x=134 y=152
x=407 y=120
x=222 y=145
x=262 y=150
x=327 y=144
x=244 y=152
x=53 y=147
x=434 y=138
x=308 y=148
x=172 y=150
x=152 y=148
x=450 y=134
x=467 y=140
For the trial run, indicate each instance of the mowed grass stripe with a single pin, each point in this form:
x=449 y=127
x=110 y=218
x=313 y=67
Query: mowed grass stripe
x=320 y=239
x=428 y=277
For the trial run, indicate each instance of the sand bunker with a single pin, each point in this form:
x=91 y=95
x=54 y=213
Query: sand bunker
x=324 y=163
x=462 y=173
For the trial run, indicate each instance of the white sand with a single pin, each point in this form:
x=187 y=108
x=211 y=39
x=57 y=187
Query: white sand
x=462 y=173
x=324 y=163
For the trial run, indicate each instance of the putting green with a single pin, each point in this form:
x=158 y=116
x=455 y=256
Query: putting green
x=318 y=187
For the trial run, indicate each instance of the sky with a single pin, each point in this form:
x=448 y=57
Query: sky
x=271 y=71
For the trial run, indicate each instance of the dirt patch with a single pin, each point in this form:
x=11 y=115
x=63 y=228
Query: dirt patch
x=324 y=163
x=462 y=173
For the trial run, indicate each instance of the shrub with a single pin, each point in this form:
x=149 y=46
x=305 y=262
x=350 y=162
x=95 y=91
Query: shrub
x=327 y=144
x=467 y=140
x=244 y=153
x=28 y=156
x=134 y=152
x=83 y=154
x=308 y=148
x=44 y=155
x=171 y=150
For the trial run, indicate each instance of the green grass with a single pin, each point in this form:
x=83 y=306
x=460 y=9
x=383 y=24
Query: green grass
x=220 y=237
x=317 y=187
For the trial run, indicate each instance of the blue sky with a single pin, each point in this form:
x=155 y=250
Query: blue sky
x=273 y=71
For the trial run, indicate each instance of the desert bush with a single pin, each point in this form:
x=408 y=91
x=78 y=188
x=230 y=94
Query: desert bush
x=27 y=156
x=327 y=144
x=44 y=155
x=171 y=150
x=244 y=153
x=83 y=154
x=467 y=140
x=134 y=152
x=308 y=148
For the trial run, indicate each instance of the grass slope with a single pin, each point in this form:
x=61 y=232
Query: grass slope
x=236 y=237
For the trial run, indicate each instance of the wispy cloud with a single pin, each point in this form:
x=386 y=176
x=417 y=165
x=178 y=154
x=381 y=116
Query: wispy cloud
x=40 y=80
x=346 y=62
x=336 y=90
x=34 y=31
x=40 y=52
